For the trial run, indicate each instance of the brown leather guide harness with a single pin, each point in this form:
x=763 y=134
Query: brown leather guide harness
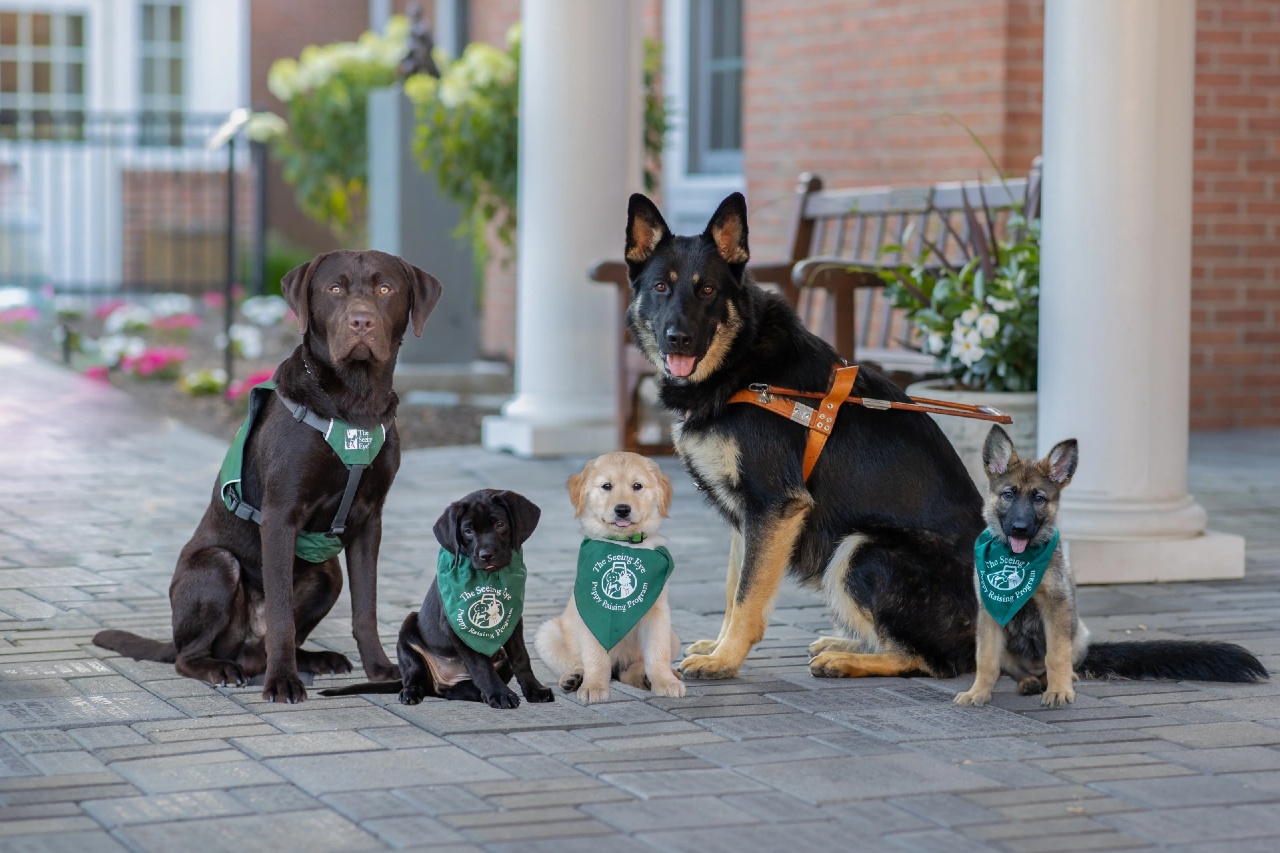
x=821 y=420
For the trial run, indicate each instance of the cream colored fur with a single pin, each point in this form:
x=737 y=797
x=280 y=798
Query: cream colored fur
x=643 y=657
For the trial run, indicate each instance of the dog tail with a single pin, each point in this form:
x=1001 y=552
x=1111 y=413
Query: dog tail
x=138 y=648
x=367 y=687
x=1193 y=660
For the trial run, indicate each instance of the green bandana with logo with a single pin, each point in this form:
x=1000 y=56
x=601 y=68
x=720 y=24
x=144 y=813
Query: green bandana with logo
x=616 y=586
x=483 y=608
x=354 y=446
x=1006 y=581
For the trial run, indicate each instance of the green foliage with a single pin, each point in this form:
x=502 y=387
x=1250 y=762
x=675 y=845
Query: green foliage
x=322 y=143
x=980 y=320
x=655 y=115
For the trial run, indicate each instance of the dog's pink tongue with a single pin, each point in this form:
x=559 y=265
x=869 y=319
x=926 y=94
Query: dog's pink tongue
x=680 y=365
x=1018 y=545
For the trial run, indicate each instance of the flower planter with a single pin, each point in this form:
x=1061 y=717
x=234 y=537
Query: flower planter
x=968 y=434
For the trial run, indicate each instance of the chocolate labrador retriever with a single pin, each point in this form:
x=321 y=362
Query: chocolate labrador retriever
x=247 y=591
x=488 y=527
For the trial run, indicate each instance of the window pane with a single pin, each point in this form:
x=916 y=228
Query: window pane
x=148 y=22
x=42 y=121
x=9 y=77
x=8 y=28
x=149 y=76
x=41 y=30
x=726 y=111
x=75 y=31
x=75 y=78
x=175 y=23
x=8 y=124
x=175 y=76
x=41 y=78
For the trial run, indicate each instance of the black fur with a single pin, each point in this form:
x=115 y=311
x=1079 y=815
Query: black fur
x=889 y=475
x=1191 y=660
x=486 y=525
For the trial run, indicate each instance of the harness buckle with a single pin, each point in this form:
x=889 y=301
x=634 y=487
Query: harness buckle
x=802 y=414
x=881 y=405
x=336 y=531
x=762 y=391
x=300 y=413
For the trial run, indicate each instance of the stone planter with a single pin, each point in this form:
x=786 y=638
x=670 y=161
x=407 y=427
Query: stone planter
x=968 y=434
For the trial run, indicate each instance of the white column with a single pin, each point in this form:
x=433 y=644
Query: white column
x=1115 y=305
x=580 y=140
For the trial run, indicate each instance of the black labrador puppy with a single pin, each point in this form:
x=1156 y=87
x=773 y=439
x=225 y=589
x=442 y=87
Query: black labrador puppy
x=243 y=598
x=488 y=527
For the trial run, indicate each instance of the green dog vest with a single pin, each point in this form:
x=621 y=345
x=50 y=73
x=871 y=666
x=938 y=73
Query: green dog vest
x=1006 y=581
x=357 y=448
x=483 y=608
x=616 y=585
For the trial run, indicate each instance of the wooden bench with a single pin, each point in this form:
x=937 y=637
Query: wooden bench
x=837 y=250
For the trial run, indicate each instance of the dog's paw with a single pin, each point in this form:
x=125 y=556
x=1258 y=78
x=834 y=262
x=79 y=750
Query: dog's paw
x=570 y=681
x=323 y=663
x=589 y=693
x=973 y=697
x=227 y=674
x=1058 y=698
x=412 y=695
x=284 y=688
x=504 y=698
x=673 y=689
x=703 y=647
x=833 y=665
x=538 y=693
x=376 y=671
x=1030 y=686
x=709 y=667
x=830 y=644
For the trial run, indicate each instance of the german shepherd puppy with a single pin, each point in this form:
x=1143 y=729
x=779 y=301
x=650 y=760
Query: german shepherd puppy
x=884 y=527
x=1046 y=641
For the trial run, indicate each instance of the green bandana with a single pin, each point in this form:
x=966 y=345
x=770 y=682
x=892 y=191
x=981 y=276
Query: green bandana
x=353 y=445
x=1006 y=581
x=483 y=608
x=616 y=586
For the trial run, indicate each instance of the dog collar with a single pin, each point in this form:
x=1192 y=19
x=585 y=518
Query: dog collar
x=616 y=585
x=634 y=538
x=1007 y=581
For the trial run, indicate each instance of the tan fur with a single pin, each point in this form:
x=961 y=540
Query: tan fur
x=728 y=237
x=643 y=657
x=847 y=613
x=847 y=665
x=765 y=562
x=645 y=236
x=721 y=343
x=736 y=550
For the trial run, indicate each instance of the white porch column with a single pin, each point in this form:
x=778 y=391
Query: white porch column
x=579 y=161
x=1119 y=80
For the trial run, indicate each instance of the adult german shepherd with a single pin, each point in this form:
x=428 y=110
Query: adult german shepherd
x=886 y=524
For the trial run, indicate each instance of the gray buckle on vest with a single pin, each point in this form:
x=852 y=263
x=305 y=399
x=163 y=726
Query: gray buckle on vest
x=300 y=413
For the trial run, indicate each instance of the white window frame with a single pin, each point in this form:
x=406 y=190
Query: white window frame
x=163 y=102
x=688 y=199
x=59 y=56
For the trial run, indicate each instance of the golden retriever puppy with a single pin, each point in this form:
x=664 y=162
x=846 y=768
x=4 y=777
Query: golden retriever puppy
x=618 y=622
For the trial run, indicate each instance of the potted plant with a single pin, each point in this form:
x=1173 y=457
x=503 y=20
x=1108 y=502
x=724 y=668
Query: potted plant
x=979 y=318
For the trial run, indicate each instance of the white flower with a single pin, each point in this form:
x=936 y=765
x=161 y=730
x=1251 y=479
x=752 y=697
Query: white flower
x=172 y=304
x=970 y=316
x=988 y=325
x=264 y=127
x=246 y=341
x=972 y=337
x=968 y=352
x=14 y=297
x=936 y=343
x=113 y=348
x=69 y=307
x=264 y=310
x=1002 y=305
x=282 y=79
x=127 y=318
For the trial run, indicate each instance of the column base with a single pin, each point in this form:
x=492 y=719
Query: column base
x=1209 y=556
x=527 y=439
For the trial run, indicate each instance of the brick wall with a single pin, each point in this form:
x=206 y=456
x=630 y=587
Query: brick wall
x=1235 y=318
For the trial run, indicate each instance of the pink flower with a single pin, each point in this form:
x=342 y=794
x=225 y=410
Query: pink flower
x=176 y=322
x=213 y=299
x=236 y=390
x=104 y=310
x=19 y=315
x=155 y=361
x=98 y=373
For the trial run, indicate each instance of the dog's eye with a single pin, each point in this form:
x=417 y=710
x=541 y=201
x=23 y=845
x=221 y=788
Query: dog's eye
x=468 y=532
x=635 y=487
x=661 y=287
x=1041 y=499
x=707 y=290
x=1007 y=494
x=337 y=288
x=607 y=486
x=384 y=289
x=499 y=525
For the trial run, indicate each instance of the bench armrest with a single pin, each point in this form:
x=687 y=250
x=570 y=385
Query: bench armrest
x=609 y=272
x=835 y=274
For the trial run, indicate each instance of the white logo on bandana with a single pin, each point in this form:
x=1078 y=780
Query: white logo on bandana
x=487 y=612
x=619 y=582
x=358 y=439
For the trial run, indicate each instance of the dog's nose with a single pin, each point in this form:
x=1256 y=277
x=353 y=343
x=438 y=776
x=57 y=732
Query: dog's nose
x=485 y=557
x=361 y=322
x=622 y=510
x=1019 y=530
x=677 y=338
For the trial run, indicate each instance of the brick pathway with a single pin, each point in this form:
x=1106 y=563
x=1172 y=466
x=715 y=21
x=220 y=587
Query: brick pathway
x=102 y=753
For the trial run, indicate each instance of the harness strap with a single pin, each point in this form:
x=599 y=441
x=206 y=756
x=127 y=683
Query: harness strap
x=353 y=482
x=822 y=420
x=304 y=415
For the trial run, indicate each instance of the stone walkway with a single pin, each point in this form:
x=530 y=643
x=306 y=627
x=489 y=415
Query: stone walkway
x=102 y=753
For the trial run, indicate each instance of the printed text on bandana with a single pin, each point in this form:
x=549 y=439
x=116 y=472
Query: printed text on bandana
x=619 y=584
x=484 y=612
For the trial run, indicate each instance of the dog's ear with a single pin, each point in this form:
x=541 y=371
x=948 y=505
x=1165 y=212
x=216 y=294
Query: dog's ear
x=296 y=289
x=524 y=515
x=646 y=231
x=577 y=494
x=664 y=491
x=997 y=452
x=1062 y=461
x=446 y=527
x=728 y=231
x=424 y=293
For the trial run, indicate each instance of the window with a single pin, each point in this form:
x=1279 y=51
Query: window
x=715 y=87
x=42 y=75
x=163 y=72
